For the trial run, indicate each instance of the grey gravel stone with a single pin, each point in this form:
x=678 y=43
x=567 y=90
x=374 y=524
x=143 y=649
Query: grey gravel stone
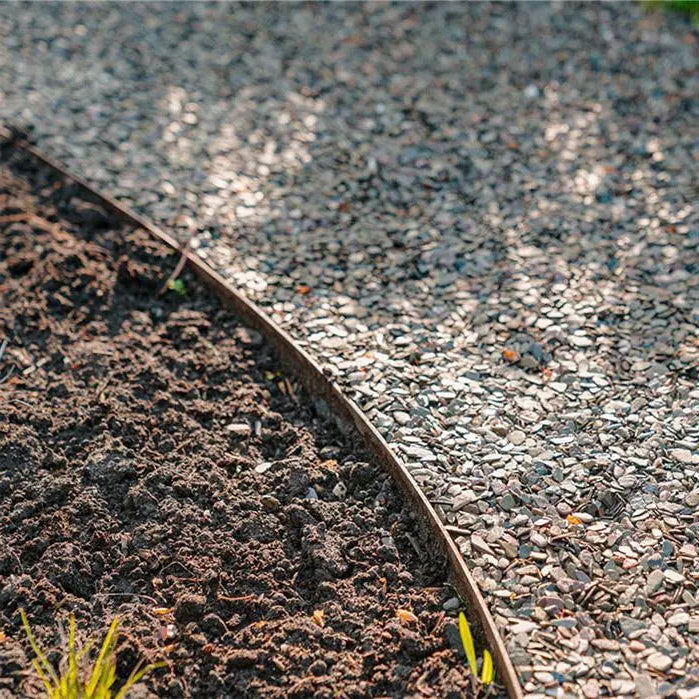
x=507 y=502
x=654 y=582
x=644 y=685
x=401 y=417
x=452 y=604
x=673 y=577
x=340 y=490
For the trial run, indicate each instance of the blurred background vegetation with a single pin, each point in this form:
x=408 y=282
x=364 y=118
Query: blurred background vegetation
x=687 y=7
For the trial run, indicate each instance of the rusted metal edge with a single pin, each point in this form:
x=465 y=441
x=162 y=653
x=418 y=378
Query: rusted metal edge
x=318 y=385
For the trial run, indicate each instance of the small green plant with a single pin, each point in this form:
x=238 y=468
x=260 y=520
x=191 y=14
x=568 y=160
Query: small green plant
x=487 y=672
x=75 y=679
x=687 y=7
x=177 y=285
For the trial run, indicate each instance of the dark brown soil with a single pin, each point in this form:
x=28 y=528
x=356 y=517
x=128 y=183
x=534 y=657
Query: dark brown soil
x=153 y=456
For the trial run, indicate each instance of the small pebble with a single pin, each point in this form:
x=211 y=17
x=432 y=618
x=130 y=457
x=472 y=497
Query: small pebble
x=240 y=429
x=654 y=582
x=673 y=577
x=452 y=604
x=684 y=456
x=679 y=619
x=659 y=662
x=401 y=417
x=517 y=437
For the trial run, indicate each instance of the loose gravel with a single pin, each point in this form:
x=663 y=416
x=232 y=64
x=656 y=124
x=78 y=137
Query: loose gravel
x=482 y=219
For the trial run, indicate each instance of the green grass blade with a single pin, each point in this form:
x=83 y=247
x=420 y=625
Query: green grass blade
x=467 y=641
x=136 y=676
x=106 y=651
x=46 y=670
x=63 y=686
x=50 y=689
x=107 y=677
x=85 y=650
x=687 y=7
x=487 y=669
x=72 y=674
x=70 y=682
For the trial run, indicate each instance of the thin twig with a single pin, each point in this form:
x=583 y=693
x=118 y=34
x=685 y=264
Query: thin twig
x=103 y=387
x=8 y=375
x=179 y=266
x=243 y=598
x=127 y=594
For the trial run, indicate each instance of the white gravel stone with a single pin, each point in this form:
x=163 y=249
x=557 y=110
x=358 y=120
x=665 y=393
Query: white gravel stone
x=679 y=619
x=673 y=577
x=659 y=662
x=517 y=437
x=654 y=582
x=239 y=428
x=401 y=417
x=684 y=456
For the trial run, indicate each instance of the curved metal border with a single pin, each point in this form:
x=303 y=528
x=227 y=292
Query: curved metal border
x=318 y=385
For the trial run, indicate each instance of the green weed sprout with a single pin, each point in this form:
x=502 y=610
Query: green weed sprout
x=75 y=681
x=177 y=285
x=487 y=672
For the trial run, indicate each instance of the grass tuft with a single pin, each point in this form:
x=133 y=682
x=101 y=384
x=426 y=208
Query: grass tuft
x=76 y=677
x=487 y=672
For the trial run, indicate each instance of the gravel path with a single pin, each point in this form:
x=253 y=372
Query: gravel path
x=482 y=219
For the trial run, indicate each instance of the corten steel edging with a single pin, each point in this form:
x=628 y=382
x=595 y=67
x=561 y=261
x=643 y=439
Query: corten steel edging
x=319 y=385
